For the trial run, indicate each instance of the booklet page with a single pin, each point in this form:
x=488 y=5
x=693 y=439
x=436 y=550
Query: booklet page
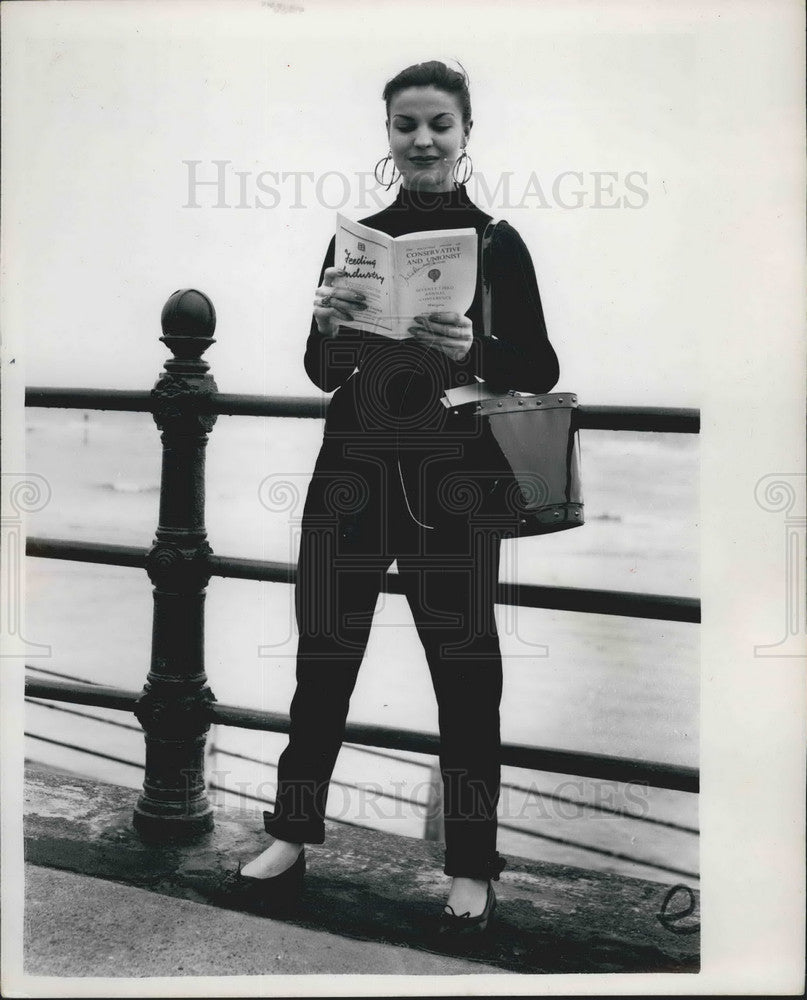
x=433 y=272
x=364 y=254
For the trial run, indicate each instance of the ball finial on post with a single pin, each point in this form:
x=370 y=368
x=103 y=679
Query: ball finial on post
x=188 y=321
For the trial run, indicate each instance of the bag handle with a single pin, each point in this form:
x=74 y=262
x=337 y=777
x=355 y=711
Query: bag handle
x=487 y=294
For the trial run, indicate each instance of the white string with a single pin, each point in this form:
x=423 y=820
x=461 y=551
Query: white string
x=397 y=441
x=406 y=500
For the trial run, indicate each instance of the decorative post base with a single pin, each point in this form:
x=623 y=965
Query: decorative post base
x=159 y=829
x=174 y=709
x=173 y=805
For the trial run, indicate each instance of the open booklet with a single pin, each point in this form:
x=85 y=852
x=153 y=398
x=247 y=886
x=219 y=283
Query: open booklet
x=406 y=276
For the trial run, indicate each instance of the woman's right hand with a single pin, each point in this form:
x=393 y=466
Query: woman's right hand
x=333 y=303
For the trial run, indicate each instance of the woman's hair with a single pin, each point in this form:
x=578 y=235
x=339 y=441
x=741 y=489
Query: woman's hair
x=432 y=74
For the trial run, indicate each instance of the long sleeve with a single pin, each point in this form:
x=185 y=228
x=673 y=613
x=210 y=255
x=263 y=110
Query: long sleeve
x=329 y=361
x=519 y=354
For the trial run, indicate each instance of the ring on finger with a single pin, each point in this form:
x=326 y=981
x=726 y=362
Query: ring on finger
x=325 y=301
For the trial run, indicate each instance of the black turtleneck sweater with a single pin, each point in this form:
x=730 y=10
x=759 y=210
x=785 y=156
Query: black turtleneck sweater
x=517 y=356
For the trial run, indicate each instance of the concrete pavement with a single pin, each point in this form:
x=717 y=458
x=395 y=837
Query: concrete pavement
x=76 y=925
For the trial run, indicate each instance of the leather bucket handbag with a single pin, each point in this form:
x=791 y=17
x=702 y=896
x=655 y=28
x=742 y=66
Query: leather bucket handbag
x=534 y=486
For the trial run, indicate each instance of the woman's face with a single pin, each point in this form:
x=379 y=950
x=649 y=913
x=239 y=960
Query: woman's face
x=426 y=136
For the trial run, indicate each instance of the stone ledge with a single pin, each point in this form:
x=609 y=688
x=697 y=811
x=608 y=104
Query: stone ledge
x=366 y=885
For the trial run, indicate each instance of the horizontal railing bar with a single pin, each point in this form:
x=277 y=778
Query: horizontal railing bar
x=669 y=419
x=629 y=604
x=88 y=552
x=138 y=400
x=683 y=420
x=245 y=405
x=86 y=715
x=591 y=765
x=82 y=694
x=134 y=400
x=517 y=755
x=668 y=607
x=264 y=570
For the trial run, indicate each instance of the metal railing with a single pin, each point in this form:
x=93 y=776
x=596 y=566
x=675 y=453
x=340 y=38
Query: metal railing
x=176 y=706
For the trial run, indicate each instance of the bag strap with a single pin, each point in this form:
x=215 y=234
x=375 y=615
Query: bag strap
x=487 y=295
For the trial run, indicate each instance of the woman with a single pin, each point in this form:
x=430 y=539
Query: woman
x=382 y=490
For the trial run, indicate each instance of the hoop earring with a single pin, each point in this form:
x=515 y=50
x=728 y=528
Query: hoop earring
x=384 y=163
x=467 y=168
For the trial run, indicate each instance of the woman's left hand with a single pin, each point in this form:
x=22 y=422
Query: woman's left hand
x=447 y=331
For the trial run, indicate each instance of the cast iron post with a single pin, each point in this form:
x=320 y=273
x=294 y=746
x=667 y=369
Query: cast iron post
x=174 y=706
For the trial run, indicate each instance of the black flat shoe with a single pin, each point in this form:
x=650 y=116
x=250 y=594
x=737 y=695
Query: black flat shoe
x=451 y=923
x=281 y=890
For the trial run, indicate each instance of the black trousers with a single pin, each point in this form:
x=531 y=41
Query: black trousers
x=354 y=525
